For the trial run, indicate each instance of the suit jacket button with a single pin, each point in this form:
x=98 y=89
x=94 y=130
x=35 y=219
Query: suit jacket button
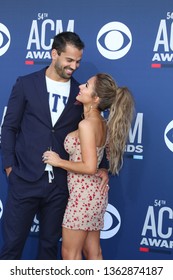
x=53 y=130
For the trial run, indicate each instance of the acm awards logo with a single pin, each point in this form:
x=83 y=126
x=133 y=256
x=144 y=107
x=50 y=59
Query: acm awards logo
x=134 y=148
x=112 y=223
x=157 y=231
x=163 y=46
x=35 y=226
x=40 y=37
x=5 y=39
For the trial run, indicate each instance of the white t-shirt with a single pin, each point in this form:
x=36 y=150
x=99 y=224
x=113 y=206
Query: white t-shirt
x=58 y=97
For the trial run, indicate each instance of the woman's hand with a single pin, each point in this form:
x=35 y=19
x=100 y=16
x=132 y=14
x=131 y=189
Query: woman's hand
x=103 y=174
x=52 y=158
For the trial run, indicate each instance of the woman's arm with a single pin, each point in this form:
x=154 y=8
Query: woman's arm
x=88 y=163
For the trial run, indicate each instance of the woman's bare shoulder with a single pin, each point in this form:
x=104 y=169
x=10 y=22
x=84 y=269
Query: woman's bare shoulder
x=86 y=122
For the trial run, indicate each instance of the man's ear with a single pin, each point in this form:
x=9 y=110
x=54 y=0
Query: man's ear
x=54 y=54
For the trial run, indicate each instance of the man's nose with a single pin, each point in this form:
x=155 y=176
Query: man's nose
x=73 y=65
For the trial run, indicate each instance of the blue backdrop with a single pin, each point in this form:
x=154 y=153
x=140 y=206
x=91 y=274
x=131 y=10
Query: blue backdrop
x=133 y=41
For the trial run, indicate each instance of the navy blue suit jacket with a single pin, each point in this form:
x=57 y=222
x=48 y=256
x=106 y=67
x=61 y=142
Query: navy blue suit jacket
x=27 y=129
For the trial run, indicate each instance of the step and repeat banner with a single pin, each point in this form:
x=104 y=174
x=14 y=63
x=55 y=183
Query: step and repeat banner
x=133 y=41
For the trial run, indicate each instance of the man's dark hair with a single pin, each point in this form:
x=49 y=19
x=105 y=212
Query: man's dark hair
x=67 y=37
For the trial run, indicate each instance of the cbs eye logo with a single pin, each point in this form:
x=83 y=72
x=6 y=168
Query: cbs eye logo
x=114 y=40
x=5 y=39
x=168 y=136
x=1 y=209
x=112 y=222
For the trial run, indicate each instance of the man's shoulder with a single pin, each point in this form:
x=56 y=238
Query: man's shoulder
x=34 y=74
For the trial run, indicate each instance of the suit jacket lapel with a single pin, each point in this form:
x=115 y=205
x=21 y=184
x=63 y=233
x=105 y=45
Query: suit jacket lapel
x=71 y=100
x=40 y=83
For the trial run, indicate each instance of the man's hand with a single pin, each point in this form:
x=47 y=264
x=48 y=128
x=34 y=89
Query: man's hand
x=8 y=170
x=103 y=174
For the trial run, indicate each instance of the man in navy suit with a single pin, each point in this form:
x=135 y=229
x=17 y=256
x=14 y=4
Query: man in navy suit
x=41 y=111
